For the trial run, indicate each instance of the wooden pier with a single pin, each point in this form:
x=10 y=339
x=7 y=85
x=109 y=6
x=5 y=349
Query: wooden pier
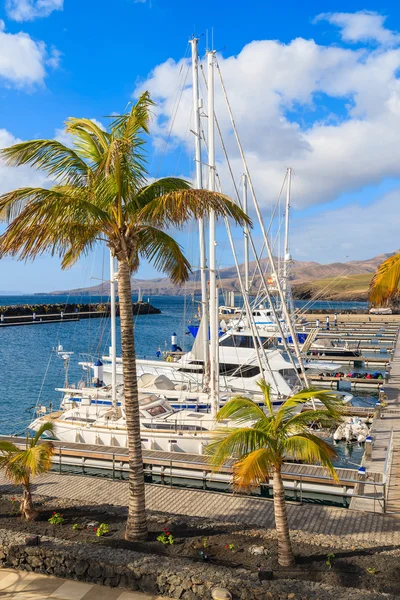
x=385 y=455
x=168 y=466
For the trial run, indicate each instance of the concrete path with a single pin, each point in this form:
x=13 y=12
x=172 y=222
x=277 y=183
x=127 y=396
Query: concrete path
x=21 y=585
x=362 y=528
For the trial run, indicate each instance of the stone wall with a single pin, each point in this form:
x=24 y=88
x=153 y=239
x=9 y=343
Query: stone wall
x=156 y=575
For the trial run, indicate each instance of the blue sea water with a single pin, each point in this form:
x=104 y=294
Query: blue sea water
x=30 y=369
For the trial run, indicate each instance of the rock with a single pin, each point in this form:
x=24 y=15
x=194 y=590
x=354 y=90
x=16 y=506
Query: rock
x=147 y=584
x=35 y=561
x=220 y=594
x=258 y=551
x=94 y=570
x=81 y=567
x=112 y=581
x=32 y=540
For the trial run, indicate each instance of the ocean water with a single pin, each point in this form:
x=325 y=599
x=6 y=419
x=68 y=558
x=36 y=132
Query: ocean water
x=30 y=369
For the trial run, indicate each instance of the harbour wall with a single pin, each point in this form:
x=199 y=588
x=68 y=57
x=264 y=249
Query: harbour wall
x=153 y=574
x=52 y=312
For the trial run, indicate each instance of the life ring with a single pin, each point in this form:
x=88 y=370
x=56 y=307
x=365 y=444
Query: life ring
x=169 y=359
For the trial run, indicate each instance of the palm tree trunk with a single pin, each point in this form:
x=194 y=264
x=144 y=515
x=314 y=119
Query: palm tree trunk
x=136 y=526
x=27 y=509
x=285 y=552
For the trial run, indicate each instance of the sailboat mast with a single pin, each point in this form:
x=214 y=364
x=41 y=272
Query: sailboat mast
x=245 y=236
x=113 y=347
x=214 y=376
x=199 y=185
x=286 y=257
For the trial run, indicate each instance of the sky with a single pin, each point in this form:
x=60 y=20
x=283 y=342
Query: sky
x=315 y=91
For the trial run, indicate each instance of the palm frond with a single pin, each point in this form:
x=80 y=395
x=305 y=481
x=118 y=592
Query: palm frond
x=90 y=140
x=385 y=283
x=179 y=206
x=47 y=427
x=130 y=125
x=157 y=189
x=50 y=156
x=301 y=421
x=235 y=443
x=8 y=447
x=240 y=409
x=163 y=252
x=48 y=221
x=327 y=398
x=266 y=390
x=253 y=469
x=311 y=449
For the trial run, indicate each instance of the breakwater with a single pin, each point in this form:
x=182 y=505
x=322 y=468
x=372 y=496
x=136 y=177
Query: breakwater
x=23 y=314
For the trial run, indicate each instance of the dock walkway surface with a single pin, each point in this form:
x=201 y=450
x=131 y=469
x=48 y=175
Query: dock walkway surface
x=385 y=457
x=21 y=585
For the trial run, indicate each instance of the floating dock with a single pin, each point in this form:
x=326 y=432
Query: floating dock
x=299 y=479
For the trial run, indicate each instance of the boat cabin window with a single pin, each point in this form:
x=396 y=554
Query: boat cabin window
x=156 y=411
x=244 y=341
x=174 y=427
x=239 y=371
x=78 y=418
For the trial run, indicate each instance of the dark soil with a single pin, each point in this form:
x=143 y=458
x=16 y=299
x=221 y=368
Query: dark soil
x=376 y=569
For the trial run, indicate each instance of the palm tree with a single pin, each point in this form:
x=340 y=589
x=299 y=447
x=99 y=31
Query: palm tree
x=385 y=284
x=21 y=466
x=263 y=440
x=102 y=193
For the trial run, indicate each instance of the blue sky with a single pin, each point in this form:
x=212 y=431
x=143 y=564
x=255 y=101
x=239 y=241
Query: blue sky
x=328 y=108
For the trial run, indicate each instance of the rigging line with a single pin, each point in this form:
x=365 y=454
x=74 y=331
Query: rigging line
x=186 y=137
x=261 y=222
x=258 y=264
x=273 y=216
x=44 y=379
x=172 y=123
x=234 y=182
x=253 y=327
x=319 y=294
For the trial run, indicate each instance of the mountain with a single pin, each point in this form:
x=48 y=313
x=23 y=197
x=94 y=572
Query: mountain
x=339 y=280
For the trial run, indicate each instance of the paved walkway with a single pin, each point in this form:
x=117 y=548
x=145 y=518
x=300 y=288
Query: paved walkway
x=360 y=527
x=21 y=585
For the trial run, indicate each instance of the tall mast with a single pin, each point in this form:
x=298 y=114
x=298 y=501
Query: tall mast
x=113 y=347
x=287 y=257
x=214 y=376
x=199 y=185
x=245 y=236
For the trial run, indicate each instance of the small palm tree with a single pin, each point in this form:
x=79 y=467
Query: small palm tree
x=385 y=284
x=102 y=192
x=21 y=466
x=263 y=440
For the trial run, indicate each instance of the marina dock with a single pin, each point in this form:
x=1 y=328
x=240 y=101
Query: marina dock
x=378 y=491
x=385 y=455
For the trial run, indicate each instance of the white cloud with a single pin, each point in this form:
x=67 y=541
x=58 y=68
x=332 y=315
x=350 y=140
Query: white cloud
x=23 y=61
x=352 y=232
x=332 y=113
x=362 y=26
x=28 y=10
x=16 y=177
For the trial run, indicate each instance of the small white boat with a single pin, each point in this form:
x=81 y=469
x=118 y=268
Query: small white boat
x=353 y=429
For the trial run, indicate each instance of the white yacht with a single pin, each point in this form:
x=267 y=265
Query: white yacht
x=91 y=421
